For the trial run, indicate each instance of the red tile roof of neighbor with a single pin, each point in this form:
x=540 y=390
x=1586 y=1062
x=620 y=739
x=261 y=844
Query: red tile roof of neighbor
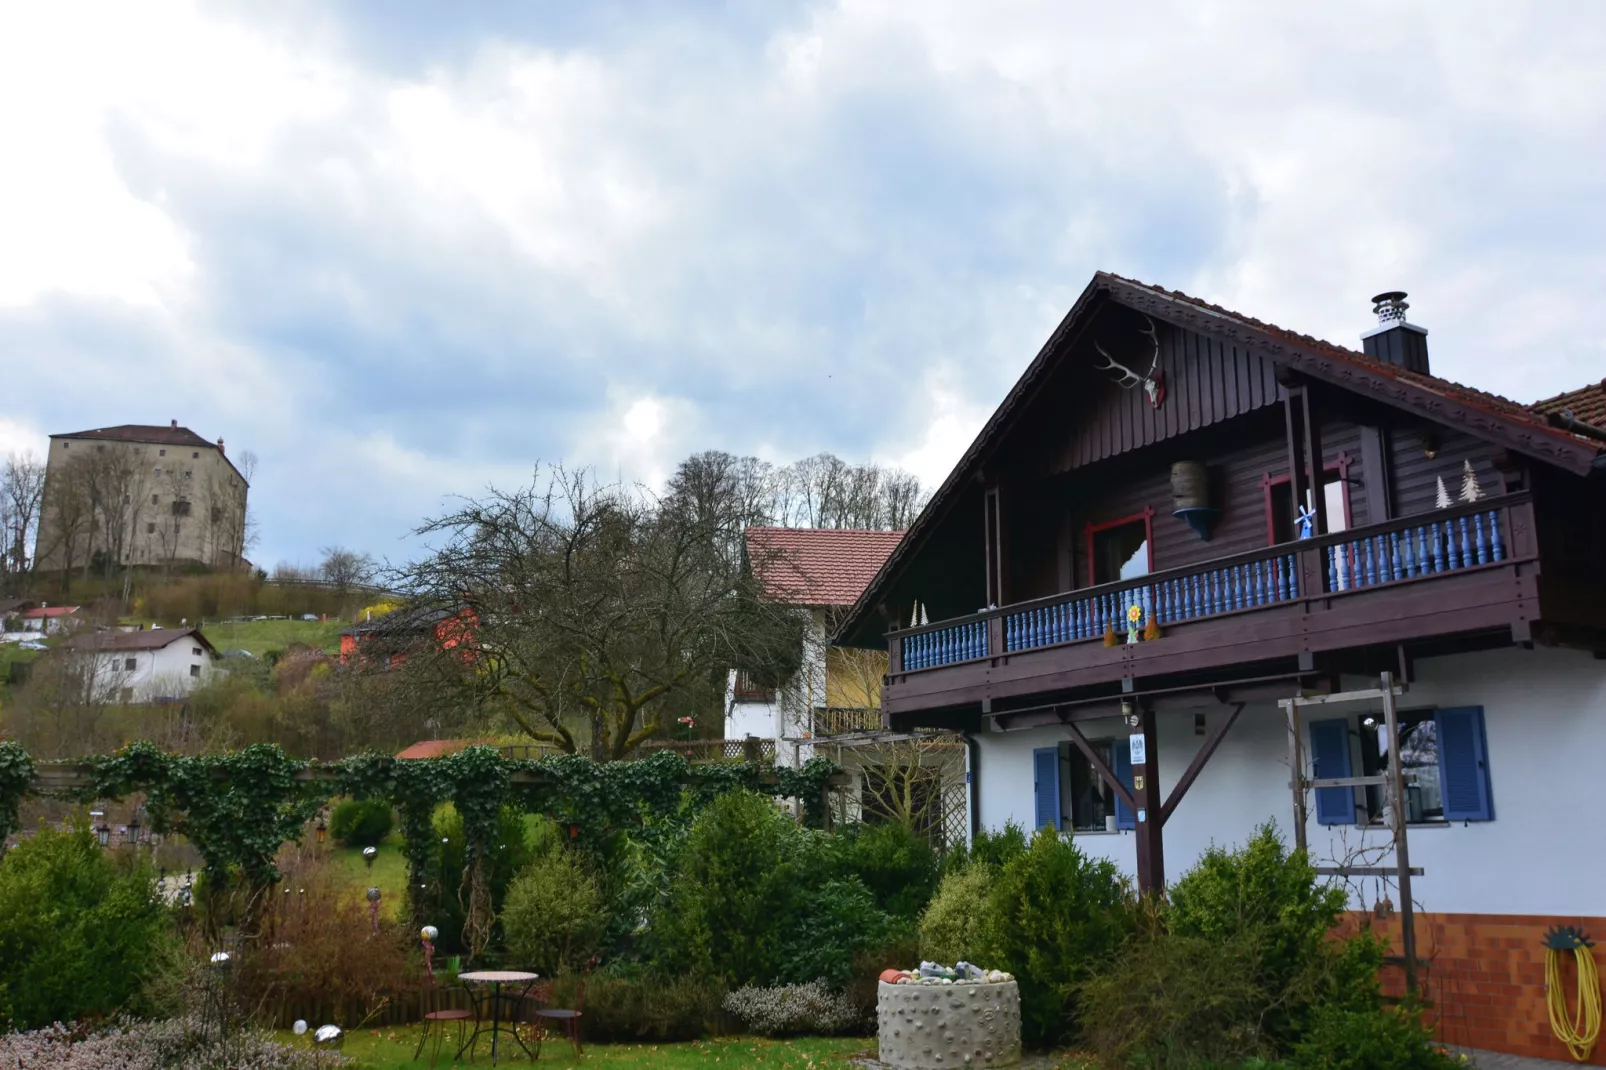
x=437 y=748
x=818 y=566
x=159 y=436
x=1587 y=403
x=48 y=611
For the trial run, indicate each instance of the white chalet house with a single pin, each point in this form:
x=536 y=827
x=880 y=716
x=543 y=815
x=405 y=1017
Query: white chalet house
x=144 y=666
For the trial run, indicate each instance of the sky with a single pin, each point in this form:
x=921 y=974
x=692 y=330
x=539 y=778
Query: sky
x=403 y=251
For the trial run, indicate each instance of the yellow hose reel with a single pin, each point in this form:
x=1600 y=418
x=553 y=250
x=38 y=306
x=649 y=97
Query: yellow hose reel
x=1580 y=1030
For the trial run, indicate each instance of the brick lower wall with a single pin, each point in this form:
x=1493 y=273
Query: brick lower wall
x=1486 y=978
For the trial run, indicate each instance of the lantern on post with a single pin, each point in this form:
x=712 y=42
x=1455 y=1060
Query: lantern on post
x=322 y=830
x=368 y=856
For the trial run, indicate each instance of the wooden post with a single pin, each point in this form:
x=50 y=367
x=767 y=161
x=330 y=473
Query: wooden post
x=1294 y=417
x=1402 y=855
x=1296 y=770
x=1313 y=460
x=1150 y=822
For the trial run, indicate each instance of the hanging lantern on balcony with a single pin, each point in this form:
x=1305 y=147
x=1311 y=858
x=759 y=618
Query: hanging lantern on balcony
x=1190 y=497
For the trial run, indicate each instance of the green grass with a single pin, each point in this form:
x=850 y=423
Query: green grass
x=389 y=873
x=392 y=1049
x=261 y=636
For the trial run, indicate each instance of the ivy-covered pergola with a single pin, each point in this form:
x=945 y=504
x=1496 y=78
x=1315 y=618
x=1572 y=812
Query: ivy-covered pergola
x=239 y=808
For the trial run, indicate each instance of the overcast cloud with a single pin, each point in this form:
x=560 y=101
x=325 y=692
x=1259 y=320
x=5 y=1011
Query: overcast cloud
x=405 y=250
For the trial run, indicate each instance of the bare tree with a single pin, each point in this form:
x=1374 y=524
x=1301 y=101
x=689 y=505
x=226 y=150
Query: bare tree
x=67 y=518
x=22 y=490
x=590 y=615
x=345 y=568
x=825 y=491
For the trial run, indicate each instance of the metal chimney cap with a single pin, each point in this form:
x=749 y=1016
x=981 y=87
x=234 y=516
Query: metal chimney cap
x=1390 y=307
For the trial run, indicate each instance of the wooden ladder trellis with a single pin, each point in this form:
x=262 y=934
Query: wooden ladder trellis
x=1394 y=781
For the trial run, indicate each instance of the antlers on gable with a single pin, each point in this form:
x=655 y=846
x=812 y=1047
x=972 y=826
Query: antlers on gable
x=1152 y=381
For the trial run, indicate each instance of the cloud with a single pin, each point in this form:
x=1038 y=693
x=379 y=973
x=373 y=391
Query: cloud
x=405 y=251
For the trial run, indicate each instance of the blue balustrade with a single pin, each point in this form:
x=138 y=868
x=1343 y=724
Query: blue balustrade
x=1494 y=536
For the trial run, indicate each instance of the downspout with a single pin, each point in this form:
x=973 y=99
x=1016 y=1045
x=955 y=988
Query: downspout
x=1571 y=424
x=973 y=781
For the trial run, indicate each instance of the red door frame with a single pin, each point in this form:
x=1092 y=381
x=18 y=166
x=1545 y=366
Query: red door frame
x=1147 y=516
x=1342 y=466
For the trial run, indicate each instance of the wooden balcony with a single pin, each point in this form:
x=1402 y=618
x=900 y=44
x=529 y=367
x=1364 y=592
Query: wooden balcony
x=1459 y=571
x=844 y=720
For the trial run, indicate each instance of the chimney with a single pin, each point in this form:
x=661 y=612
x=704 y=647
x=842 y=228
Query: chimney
x=220 y=443
x=1393 y=340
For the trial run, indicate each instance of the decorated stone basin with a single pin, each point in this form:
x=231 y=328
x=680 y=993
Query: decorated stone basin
x=935 y=1018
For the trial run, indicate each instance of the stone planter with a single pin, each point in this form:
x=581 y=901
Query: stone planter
x=934 y=1027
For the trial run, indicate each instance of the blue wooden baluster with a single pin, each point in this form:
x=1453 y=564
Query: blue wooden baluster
x=1494 y=536
x=1436 y=545
x=1047 y=629
x=1395 y=570
x=1262 y=589
x=1468 y=554
x=1240 y=594
x=1011 y=629
x=981 y=639
x=1407 y=556
x=1371 y=564
x=1076 y=620
x=1293 y=577
x=967 y=642
x=1037 y=627
x=1212 y=592
x=1229 y=590
x=917 y=641
x=914 y=652
x=1332 y=568
x=1424 y=558
x=1063 y=615
x=1483 y=545
x=1455 y=561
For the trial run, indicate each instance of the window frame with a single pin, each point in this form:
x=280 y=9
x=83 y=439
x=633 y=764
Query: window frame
x=1267 y=481
x=1090 y=530
x=1410 y=717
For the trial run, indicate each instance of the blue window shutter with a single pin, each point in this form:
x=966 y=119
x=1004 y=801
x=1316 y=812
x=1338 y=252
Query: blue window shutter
x=1329 y=751
x=1463 y=764
x=1121 y=752
x=1046 y=773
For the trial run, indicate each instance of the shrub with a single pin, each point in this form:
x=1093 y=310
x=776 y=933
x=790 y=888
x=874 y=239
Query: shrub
x=361 y=822
x=1269 y=898
x=554 y=915
x=991 y=849
x=325 y=958
x=173 y=1044
x=78 y=933
x=1175 y=1001
x=756 y=900
x=445 y=896
x=895 y=863
x=1380 y=1039
x=955 y=926
x=1057 y=916
x=643 y=1006
x=786 y=1010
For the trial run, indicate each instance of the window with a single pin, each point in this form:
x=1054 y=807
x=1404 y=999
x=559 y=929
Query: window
x=1119 y=550
x=161 y=453
x=1419 y=760
x=128 y=499
x=195 y=456
x=217 y=514
x=181 y=507
x=188 y=473
x=196 y=651
x=153 y=499
x=150 y=529
x=158 y=471
x=195 y=671
x=749 y=690
x=1070 y=794
x=129 y=663
x=64 y=445
x=1443 y=756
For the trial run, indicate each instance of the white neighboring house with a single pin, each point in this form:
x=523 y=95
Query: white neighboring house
x=822 y=571
x=146 y=666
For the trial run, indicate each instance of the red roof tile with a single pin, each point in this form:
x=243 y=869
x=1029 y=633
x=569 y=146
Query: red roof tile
x=1587 y=403
x=48 y=611
x=818 y=566
x=436 y=748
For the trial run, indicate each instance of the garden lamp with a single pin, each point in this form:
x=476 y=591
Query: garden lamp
x=369 y=854
x=133 y=830
x=104 y=834
x=323 y=829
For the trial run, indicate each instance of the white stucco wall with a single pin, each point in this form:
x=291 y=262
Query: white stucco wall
x=789 y=716
x=163 y=673
x=1545 y=721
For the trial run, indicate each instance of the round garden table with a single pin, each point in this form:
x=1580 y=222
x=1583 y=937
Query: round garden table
x=496 y=979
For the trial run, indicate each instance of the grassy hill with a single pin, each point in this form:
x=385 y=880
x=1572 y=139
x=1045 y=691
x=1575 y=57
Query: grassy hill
x=261 y=636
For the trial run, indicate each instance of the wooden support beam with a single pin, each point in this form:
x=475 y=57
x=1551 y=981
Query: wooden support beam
x=1196 y=766
x=1150 y=825
x=1402 y=853
x=1107 y=775
x=1296 y=766
x=1315 y=470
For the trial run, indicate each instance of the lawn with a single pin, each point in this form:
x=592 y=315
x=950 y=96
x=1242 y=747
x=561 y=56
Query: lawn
x=261 y=636
x=389 y=873
x=392 y=1049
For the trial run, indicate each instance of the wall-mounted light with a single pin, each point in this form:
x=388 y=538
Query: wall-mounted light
x=1369 y=721
x=1129 y=713
x=1430 y=444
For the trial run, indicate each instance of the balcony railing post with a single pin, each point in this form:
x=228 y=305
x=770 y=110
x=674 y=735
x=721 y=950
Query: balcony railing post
x=995 y=635
x=895 y=654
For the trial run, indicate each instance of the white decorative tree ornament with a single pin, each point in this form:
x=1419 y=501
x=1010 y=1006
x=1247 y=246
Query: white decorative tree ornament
x=1470 y=491
x=1443 y=499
